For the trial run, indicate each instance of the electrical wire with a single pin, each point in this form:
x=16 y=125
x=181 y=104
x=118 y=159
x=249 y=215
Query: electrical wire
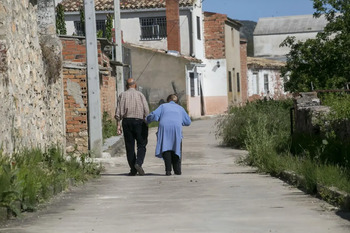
x=154 y=53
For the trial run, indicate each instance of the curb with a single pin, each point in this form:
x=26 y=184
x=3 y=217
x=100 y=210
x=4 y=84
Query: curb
x=117 y=148
x=331 y=195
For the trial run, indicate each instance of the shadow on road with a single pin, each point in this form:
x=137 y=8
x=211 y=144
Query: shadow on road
x=344 y=214
x=126 y=174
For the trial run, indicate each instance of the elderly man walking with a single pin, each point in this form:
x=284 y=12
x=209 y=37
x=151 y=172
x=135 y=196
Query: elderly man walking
x=132 y=108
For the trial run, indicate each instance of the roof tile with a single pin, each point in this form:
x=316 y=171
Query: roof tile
x=105 y=5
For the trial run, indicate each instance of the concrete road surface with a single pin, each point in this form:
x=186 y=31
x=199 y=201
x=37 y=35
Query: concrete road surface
x=214 y=194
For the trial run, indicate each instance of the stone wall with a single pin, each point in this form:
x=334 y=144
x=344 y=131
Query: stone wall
x=309 y=115
x=31 y=93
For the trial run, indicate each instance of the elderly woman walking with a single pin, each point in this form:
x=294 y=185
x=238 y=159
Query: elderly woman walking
x=171 y=117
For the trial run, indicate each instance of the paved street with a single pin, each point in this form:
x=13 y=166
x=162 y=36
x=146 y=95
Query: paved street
x=213 y=195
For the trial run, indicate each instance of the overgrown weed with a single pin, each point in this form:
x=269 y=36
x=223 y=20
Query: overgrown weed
x=263 y=128
x=30 y=177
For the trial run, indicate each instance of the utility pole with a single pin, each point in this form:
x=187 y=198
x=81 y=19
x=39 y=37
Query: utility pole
x=94 y=105
x=118 y=47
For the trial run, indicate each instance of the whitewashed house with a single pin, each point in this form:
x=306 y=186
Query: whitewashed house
x=222 y=81
x=270 y=32
x=264 y=79
x=145 y=24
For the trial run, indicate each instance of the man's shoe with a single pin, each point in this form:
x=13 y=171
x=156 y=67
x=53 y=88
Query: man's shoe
x=168 y=173
x=131 y=174
x=139 y=170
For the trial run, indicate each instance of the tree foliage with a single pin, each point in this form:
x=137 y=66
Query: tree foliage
x=321 y=63
x=109 y=27
x=60 y=22
x=82 y=19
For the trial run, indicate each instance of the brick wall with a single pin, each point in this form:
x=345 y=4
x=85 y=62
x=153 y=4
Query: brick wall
x=173 y=25
x=76 y=92
x=214 y=35
x=75 y=103
x=244 y=70
x=74 y=50
x=108 y=93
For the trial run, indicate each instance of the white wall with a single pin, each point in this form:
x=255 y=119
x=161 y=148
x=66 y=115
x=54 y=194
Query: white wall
x=130 y=26
x=256 y=87
x=215 y=79
x=233 y=56
x=198 y=45
x=269 y=45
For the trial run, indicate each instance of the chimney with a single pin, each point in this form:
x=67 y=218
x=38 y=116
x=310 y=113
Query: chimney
x=173 y=25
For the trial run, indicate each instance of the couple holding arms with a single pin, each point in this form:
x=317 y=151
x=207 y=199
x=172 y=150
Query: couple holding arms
x=132 y=110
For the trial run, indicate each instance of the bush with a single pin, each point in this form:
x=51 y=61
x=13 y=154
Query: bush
x=31 y=176
x=232 y=129
x=332 y=144
x=109 y=126
x=263 y=128
x=340 y=105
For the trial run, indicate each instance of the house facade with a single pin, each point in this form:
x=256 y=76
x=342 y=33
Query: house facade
x=222 y=81
x=264 y=79
x=146 y=23
x=162 y=75
x=270 y=32
x=143 y=22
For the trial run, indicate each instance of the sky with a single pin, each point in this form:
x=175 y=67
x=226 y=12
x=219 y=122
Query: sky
x=255 y=9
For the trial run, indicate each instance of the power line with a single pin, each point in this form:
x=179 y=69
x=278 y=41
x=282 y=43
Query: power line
x=149 y=61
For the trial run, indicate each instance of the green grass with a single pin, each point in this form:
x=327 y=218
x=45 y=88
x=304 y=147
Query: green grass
x=263 y=128
x=109 y=126
x=30 y=177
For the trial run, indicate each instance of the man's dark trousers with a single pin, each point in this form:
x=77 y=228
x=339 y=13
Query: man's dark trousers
x=135 y=129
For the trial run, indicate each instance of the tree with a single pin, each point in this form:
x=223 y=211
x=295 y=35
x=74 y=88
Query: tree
x=82 y=20
x=99 y=34
x=109 y=27
x=60 y=22
x=321 y=63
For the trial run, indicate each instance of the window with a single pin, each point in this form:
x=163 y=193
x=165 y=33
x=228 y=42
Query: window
x=238 y=83
x=78 y=28
x=229 y=81
x=153 y=28
x=192 y=84
x=255 y=83
x=198 y=28
x=100 y=25
x=266 y=83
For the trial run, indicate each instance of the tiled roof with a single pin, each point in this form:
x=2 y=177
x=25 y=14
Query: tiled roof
x=162 y=51
x=264 y=63
x=290 y=24
x=105 y=5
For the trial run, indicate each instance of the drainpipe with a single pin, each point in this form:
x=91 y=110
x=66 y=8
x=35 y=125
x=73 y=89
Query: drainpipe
x=193 y=39
x=192 y=35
